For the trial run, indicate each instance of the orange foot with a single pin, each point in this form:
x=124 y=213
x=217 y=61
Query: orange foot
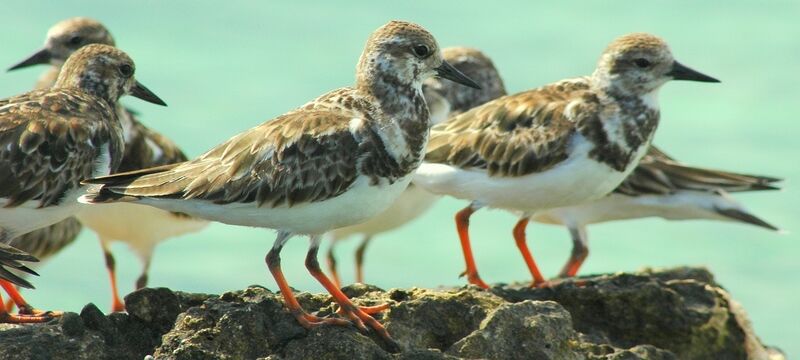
x=371 y=310
x=8 y=318
x=28 y=310
x=309 y=321
x=475 y=279
x=545 y=284
x=117 y=305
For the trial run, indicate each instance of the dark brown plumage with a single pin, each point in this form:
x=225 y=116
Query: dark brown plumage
x=527 y=132
x=50 y=139
x=13 y=258
x=659 y=174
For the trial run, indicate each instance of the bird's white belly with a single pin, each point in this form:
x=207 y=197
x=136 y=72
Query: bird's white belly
x=140 y=226
x=27 y=217
x=360 y=202
x=412 y=203
x=576 y=180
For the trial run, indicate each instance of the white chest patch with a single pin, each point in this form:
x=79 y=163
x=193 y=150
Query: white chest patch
x=574 y=181
x=102 y=163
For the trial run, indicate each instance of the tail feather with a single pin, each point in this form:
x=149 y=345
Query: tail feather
x=702 y=178
x=12 y=258
x=127 y=177
x=126 y=186
x=746 y=217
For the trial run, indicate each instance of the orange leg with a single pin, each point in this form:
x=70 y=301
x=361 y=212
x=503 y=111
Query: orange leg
x=16 y=297
x=27 y=312
x=519 y=237
x=7 y=318
x=273 y=260
x=462 y=225
x=331 y=257
x=572 y=266
x=116 y=303
x=360 y=259
x=359 y=318
x=580 y=251
x=9 y=305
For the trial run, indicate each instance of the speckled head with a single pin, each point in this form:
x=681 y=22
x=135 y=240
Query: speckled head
x=477 y=66
x=66 y=37
x=403 y=54
x=103 y=71
x=640 y=63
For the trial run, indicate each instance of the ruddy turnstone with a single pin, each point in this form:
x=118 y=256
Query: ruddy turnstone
x=336 y=161
x=144 y=148
x=659 y=187
x=559 y=145
x=444 y=99
x=52 y=139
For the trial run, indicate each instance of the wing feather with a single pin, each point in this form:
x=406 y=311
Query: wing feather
x=659 y=174
x=303 y=156
x=49 y=140
x=514 y=135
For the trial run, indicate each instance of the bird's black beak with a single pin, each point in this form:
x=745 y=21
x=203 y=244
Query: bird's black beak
x=141 y=92
x=448 y=72
x=681 y=72
x=40 y=57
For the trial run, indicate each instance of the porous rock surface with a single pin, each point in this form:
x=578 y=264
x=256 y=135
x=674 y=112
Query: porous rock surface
x=677 y=313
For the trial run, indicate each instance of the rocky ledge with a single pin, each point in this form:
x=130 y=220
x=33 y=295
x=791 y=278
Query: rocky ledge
x=679 y=313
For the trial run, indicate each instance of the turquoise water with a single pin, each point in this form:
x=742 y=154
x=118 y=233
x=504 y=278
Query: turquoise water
x=225 y=69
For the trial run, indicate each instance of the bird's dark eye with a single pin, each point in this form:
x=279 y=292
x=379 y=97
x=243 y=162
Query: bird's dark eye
x=126 y=70
x=421 y=51
x=75 y=40
x=642 y=63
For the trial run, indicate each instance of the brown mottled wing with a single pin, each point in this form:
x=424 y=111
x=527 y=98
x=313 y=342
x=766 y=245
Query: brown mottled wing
x=299 y=157
x=514 y=135
x=659 y=174
x=147 y=148
x=48 y=241
x=12 y=258
x=48 y=141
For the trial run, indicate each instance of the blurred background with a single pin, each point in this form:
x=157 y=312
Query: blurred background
x=225 y=69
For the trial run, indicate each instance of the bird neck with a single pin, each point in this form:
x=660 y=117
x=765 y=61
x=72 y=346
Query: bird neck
x=401 y=107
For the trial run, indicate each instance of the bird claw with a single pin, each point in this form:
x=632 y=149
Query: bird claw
x=7 y=318
x=309 y=321
x=370 y=310
x=28 y=310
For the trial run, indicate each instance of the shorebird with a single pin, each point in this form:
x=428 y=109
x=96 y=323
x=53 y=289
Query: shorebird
x=563 y=144
x=336 y=161
x=660 y=187
x=52 y=139
x=141 y=227
x=444 y=99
